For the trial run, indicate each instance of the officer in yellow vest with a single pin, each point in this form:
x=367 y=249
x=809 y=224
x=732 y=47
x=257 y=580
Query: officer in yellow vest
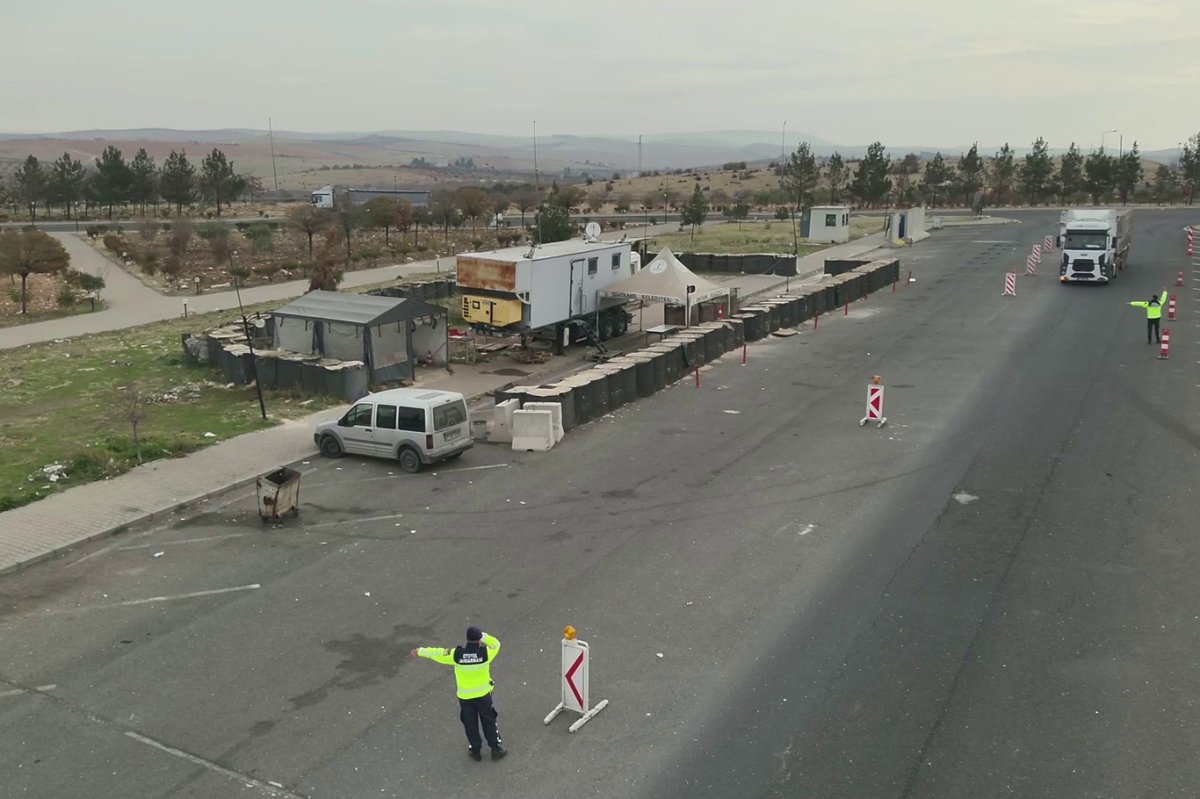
x=473 y=673
x=1153 y=308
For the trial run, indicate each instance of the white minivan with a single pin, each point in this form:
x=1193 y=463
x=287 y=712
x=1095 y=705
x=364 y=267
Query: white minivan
x=414 y=425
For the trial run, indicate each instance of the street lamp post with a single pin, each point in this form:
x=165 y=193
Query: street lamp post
x=1104 y=133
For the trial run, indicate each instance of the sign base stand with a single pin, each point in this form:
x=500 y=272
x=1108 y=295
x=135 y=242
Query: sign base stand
x=579 y=722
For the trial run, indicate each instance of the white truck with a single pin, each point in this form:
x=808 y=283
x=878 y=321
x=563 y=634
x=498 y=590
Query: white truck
x=1095 y=244
x=549 y=290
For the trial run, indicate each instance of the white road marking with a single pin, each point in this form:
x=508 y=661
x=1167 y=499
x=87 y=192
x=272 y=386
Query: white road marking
x=19 y=691
x=478 y=468
x=183 y=541
x=808 y=528
x=270 y=788
x=963 y=498
x=153 y=599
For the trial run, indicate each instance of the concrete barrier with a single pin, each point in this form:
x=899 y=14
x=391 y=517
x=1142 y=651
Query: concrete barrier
x=501 y=430
x=556 y=417
x=532 y=431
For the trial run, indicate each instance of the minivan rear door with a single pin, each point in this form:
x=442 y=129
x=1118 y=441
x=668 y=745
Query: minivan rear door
x=450 y=424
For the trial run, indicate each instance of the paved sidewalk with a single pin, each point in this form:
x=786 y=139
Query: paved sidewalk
x=84 y=513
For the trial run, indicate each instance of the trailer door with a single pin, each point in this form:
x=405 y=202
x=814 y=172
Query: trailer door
x=575 y=298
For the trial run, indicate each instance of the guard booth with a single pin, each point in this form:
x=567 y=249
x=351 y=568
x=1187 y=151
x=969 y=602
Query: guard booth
x=828 y=224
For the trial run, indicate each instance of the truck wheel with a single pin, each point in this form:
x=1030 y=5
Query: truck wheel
x=606 y=327
x=410 y=461
x=622 y=324
x=331 y=447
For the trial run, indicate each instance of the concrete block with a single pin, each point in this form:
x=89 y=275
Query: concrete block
x=555 y=414
x=501 y=430
x=532 y=431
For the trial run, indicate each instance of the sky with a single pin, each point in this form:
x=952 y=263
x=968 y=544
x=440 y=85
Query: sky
x=932 y=73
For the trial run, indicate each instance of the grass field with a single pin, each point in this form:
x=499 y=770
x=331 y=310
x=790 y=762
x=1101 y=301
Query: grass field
x=754 y=237
x=68 y=403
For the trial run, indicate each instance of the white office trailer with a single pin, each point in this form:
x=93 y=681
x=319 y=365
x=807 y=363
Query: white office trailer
x=828 y=224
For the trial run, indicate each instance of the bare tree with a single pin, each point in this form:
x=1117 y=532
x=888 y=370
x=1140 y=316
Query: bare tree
x=310 y=221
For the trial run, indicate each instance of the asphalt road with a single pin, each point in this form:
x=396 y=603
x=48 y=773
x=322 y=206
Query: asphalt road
x=993 y=595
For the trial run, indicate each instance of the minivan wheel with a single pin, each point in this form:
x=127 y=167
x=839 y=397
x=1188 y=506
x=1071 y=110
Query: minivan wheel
x=410 y=461
x=331 y=447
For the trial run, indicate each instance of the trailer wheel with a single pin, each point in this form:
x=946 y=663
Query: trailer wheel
x=605 y=327
x=622 y=324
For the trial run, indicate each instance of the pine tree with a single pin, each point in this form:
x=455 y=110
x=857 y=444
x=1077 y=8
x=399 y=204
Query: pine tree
x=1003 y=169
x=1129 y=173
x=143 y=183
x=66 y=181
x=218 y=182
x=937 y=179
x=177 y=181
x=1070 y=174
x=113 y=178
x=695 y=211
x=1035 y=173
x=31 y=181
x=970 y=173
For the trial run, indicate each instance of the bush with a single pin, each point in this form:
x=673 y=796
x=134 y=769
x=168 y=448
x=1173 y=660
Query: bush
x=113 y=243
x=181 y=234
x=267 y=271
x=240 y=272
x=66 y=297
x=211 y=231
x=148 y=261
x=14 y=295
x=422 y=247
x=172 y=266
x=261 y=236
x=147 y=229
x=95 y=231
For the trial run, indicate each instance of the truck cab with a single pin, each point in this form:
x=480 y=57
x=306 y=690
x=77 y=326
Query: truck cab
x=1095 y=244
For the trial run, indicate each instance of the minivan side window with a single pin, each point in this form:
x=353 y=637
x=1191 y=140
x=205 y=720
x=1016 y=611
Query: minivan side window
x=449 y=415
x=410 y=419
x=385 y=417
x=360 y=415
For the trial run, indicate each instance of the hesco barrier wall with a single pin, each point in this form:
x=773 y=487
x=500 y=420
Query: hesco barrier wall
x=750 y=263
x=627 y=378
x=428 y=290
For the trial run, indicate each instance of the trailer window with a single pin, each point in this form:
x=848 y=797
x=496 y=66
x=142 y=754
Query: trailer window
x=593 y=265
x=616 y=261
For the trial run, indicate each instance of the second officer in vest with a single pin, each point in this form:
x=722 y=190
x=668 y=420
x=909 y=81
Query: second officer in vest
x=1153 y=308
x=473 y=673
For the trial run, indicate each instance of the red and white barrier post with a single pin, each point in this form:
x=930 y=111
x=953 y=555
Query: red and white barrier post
x=1164 y=349
x=1048 y=244
x=1010 y=284
x=1171 y=309
x=1191 y=238
x=573 y=682
x=1179 y=278
x=1031 y=266
x=874 y=403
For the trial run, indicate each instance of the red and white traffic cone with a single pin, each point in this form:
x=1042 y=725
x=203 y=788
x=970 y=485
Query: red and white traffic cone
x=1164 y=349
x=1171 y=309
x=1179 y=278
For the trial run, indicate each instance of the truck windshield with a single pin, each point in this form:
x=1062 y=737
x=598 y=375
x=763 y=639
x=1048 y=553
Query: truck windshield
x=1086 y=240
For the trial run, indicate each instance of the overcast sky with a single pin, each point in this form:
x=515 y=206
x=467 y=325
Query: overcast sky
x=923 y=72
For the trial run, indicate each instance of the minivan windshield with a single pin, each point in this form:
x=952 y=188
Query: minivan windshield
x=449 y=415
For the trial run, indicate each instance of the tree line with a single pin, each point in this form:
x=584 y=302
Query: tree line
x=110 y=180
x=878 y=179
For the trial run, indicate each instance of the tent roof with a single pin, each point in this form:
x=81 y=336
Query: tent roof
x=665 y=279
x=357 y=309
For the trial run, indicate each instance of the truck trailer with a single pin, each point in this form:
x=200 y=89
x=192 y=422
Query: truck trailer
x=548 y=290
x=1095 y=244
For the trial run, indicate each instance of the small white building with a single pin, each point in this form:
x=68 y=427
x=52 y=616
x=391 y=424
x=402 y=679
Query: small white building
x=827 y=224
x=323 y=197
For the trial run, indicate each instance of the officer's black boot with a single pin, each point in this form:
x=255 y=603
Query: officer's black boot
x=475 y=755
x=499 y=752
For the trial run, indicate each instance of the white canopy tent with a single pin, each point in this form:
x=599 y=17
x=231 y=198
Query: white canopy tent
x=666 y=279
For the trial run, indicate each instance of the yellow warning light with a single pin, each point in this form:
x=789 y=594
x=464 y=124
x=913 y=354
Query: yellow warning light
x=569 y=633
x=876 y=380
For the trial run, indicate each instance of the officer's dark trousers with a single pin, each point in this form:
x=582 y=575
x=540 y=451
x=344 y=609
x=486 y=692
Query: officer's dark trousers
x=476 y=713
x=1152 y=330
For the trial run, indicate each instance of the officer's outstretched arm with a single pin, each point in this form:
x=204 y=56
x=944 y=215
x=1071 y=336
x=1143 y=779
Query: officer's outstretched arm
x=493 y=645
x=437 y=654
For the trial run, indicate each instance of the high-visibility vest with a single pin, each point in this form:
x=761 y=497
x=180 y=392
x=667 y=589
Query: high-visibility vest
x=472 y=665
x=1153 y=309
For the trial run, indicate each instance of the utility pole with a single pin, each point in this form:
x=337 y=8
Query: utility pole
x=271 y=134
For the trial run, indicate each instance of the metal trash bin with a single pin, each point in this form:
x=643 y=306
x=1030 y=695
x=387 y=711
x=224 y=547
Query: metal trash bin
x=278 y=494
